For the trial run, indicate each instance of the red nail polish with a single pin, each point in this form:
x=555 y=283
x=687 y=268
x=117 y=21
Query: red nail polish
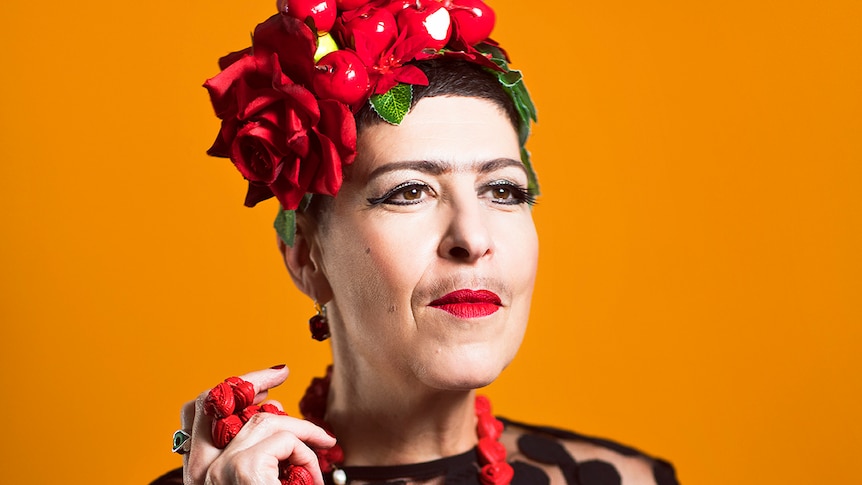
x=278 y=367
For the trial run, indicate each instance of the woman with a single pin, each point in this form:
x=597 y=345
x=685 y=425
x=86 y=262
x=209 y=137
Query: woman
x=421 y=254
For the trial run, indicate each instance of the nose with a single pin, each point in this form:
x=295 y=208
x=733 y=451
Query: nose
x=467 y=237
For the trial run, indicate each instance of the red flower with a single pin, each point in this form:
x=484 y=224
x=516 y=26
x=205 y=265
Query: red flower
x=282 y=139
x=491 y=450
x=499 y=473
x=390 y=68
x=219 y=401
x=225 y=429
x=243 y=392
x=489 y=427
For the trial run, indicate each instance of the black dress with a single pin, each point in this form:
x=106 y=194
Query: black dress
x=539 y=455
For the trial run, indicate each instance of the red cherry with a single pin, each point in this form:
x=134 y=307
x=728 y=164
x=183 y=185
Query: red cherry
x=430 y=20
x=322 y=12
x=349 y=4
x=377 y=28
x=474 y=18
x=341 y=76
x=396 y=6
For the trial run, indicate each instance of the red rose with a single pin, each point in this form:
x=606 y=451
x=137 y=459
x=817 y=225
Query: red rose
x=219 y=401
x=489 y=427
x=279 y=136
x=243 y=392
x=500 y=473
x=225 y=429
x=482 y=404
x=491 y=450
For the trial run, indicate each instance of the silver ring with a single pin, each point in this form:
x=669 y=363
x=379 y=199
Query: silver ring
x=182 y=442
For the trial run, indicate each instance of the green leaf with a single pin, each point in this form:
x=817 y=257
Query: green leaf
x=532 y=180
x=394 y=104
x=285 y=225
x=511 y=78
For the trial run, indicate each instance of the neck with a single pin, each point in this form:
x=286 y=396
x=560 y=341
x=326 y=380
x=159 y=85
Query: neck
x=382 y=421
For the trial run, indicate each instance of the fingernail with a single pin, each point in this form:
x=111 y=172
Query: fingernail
x=278 y=367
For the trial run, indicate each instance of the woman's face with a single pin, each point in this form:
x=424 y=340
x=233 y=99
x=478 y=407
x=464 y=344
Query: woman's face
x=430 y=248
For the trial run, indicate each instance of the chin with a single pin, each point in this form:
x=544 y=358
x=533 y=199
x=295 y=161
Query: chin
x=464 y=370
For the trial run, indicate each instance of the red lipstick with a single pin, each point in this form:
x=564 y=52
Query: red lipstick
x=468 y=303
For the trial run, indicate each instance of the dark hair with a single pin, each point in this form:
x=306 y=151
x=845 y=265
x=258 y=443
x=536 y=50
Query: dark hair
x=451 y=77
x=446 y=77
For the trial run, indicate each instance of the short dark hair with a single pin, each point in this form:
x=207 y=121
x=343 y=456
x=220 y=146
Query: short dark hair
x=446 y=77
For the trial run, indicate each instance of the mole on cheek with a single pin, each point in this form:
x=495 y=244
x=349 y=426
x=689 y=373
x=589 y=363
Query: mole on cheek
x=367 y=250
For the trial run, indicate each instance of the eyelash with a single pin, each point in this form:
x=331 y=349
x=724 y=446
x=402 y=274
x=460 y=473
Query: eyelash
x=519 y=195
x=400 y=189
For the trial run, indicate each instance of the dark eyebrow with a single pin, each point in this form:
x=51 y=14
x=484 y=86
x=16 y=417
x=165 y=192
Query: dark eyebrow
x=438 y=167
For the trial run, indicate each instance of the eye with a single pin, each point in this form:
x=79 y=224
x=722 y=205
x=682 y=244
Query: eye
x=509 y=193
x=408 y=193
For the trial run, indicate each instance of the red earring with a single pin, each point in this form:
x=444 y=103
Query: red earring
x=318 y=324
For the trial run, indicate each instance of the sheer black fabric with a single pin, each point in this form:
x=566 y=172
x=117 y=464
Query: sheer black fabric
x=538 y=454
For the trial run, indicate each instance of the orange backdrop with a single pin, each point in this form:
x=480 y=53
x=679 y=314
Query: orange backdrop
x=699 y=282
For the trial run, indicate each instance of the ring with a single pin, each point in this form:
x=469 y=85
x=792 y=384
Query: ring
x=182 y=442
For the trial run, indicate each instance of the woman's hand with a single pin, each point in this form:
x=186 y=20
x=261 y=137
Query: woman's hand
x=252 y=457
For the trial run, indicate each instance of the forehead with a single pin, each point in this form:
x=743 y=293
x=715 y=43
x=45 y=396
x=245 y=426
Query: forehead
x=455 y=130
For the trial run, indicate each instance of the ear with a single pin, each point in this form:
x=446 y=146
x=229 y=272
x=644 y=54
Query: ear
x=303 y=261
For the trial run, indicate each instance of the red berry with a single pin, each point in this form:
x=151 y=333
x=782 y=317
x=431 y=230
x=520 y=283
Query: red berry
x=377 y=29
x=430 y=20
x=396 y=6
x=322 y=12
x=349 y=4
x=474 y=18
x=341 y=76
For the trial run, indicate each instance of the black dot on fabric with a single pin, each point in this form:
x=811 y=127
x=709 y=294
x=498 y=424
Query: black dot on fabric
x=595 y=472
x=663 y=473
x=526 y=474
x=544 y=450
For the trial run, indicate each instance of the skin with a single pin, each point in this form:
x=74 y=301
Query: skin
x=404 y=371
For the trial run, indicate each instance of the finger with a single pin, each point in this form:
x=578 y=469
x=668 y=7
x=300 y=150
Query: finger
x=266 y=379
x=202 y=451
x=262 y=425
x=274 y=403
x=300 y=454
x=187 y=415
x=260 y=462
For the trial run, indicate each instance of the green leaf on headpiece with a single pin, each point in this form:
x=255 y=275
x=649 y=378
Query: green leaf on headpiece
x=513 y=83
x=495 y=52
x=532 y=180
x=511 y=78
x=394 y=104
x=285 y=226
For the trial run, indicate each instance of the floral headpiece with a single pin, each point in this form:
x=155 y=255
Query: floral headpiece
x=287 y=102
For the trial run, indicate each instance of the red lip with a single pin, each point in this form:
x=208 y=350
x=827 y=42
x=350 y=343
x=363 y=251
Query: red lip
x=468 y=303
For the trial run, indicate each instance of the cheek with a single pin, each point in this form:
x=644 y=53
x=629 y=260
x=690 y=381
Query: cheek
x=374 y=268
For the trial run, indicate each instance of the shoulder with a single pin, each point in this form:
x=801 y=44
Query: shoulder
x=562 y=456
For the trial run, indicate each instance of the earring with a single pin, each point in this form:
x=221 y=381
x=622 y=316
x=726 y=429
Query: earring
x=318 y=324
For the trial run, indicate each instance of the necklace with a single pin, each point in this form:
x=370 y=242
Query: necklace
x=492 y=454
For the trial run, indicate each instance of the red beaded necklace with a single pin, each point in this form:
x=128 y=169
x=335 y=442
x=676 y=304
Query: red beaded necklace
x=230 y=405
x=492 y=453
